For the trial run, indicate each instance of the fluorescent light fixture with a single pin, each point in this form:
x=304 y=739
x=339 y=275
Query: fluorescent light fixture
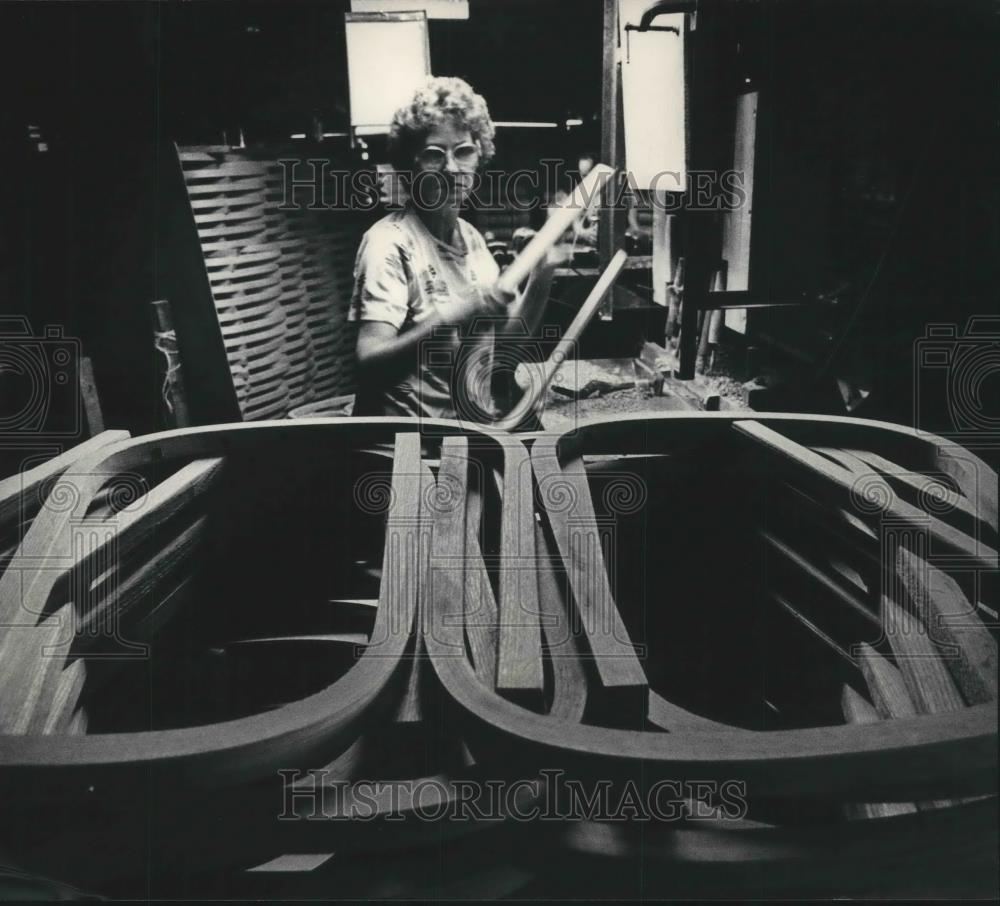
x=297 y=135
x=371 y=130
x=521 y=125
x=573 y=123
x=435 y=9
x=388 y=57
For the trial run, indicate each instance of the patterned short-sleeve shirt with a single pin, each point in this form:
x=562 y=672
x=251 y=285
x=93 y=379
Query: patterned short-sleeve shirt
x=403 y=275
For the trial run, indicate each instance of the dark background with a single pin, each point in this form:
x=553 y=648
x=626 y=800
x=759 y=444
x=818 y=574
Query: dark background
x=882 y=141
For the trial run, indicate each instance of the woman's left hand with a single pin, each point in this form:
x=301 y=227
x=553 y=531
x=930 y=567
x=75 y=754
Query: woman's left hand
x=560 y=254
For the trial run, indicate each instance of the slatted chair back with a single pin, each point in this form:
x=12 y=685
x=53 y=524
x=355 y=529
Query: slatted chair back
x=269 y=300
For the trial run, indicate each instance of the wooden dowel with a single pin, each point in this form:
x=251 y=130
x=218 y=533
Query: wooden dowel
x=584 y=197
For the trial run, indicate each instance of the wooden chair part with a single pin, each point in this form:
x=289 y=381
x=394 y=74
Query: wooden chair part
x=842 y=481
x=622 y=679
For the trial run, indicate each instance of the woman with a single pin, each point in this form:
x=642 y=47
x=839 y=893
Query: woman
x=425 y=295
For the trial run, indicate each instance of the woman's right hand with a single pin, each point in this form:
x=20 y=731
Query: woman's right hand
x=486 y=302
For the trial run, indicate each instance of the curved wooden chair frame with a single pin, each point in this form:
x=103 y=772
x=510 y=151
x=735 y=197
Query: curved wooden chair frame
x=254 y=747
x=893 y=760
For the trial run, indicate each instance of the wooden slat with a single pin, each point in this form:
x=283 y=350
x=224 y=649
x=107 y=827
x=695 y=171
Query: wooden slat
x=351 y=603
x=849 y=574
x=842 y=523
x=164 y=606
x=30 y=672
x=855 y=604
x=448 y=552
x=927 y=679
x=520 y=674
x=858 y=711
x=569 y=680
x=29 y=664
x=953 y=620
x=885 y=685
x=480 y=606
x=146 y=516
x=62 y=714
x=412 y=708
x=356 y=639
x=890 y=692
x=19 y=493
x=165 y=500
x=111 y=604
x=623 y=681
x=293 y=864
x=976 y=480
x=839 y=478
x=796 y=614
x=77 y=725
x=862 y=462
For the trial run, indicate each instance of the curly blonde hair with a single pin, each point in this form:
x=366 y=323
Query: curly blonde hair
x=438 y=100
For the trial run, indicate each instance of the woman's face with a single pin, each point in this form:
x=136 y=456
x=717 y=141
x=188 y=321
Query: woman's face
x=445 y=168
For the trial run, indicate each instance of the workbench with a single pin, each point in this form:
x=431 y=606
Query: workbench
x=567 y=400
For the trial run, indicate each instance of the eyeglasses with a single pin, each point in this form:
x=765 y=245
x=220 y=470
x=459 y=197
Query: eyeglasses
x=434 y=157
